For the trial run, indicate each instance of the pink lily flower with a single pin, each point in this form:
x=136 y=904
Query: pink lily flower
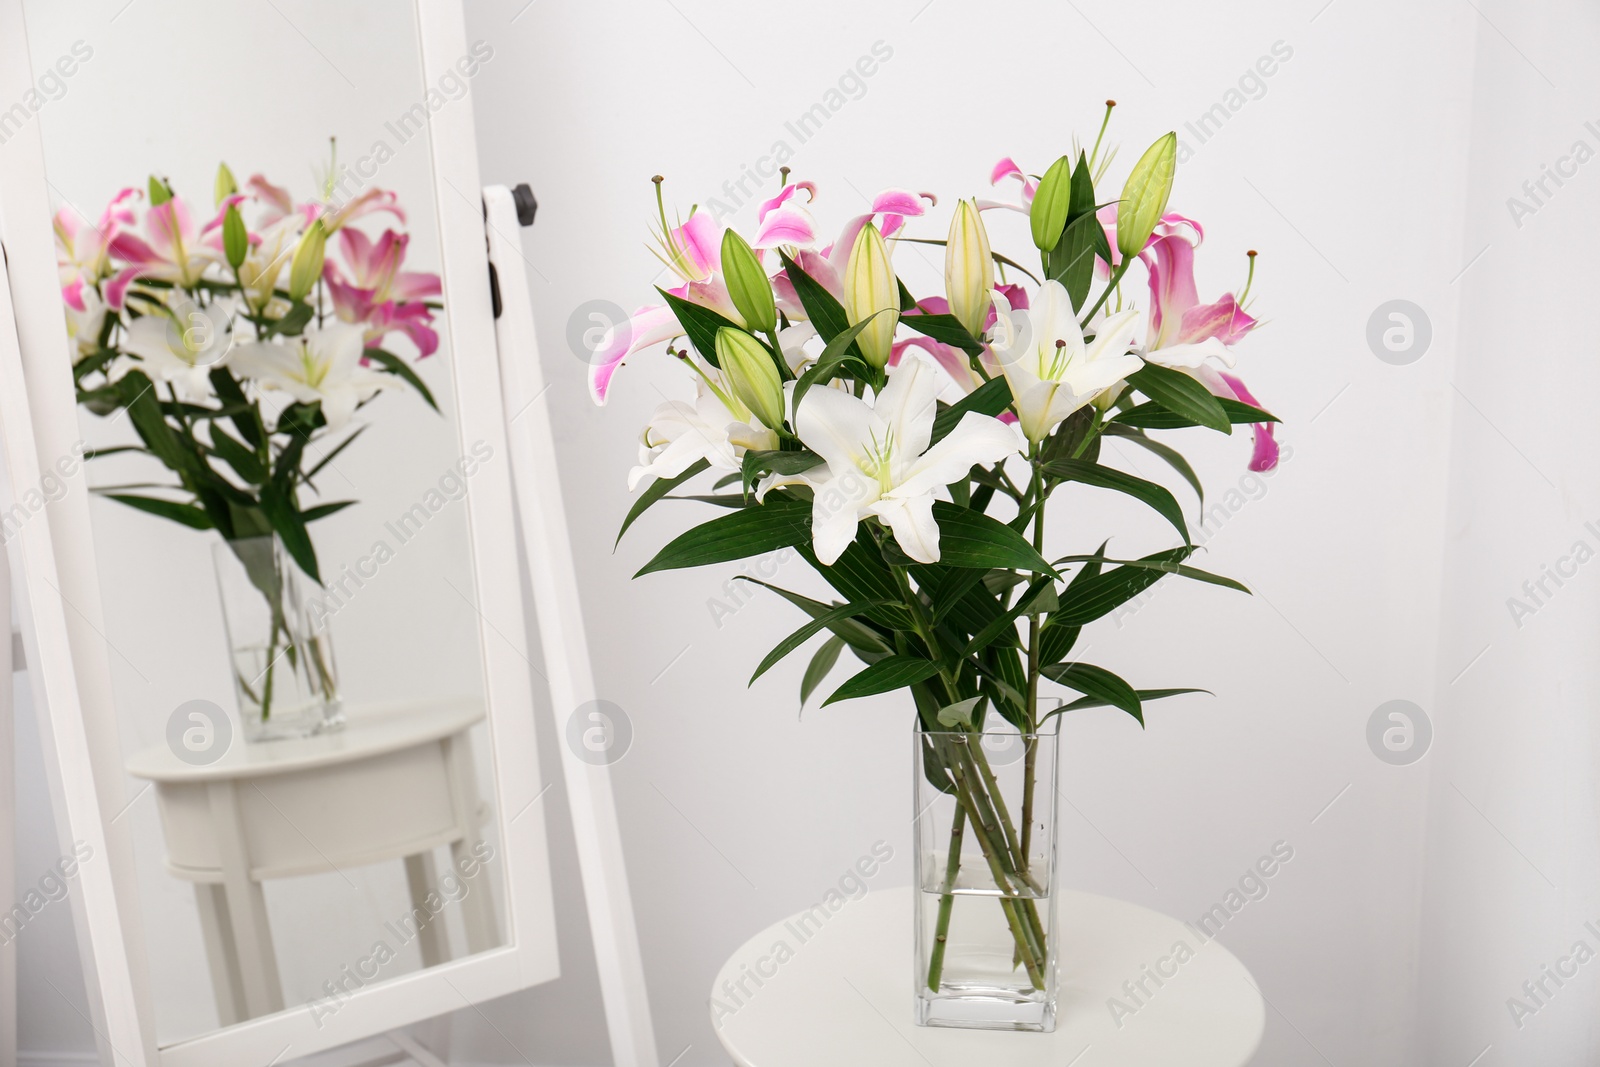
x=171 y=251
x=83 y=249
x=375 y=274
x=370 y=201
x=1007 y=169
x=693 y=251
x=378 y=294
x=1196 y=338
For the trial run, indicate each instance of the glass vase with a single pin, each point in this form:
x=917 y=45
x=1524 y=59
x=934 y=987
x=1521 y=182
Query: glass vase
x=279 y=649
x=986 y=878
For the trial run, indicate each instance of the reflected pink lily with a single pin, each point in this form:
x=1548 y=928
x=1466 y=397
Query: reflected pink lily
x=377 y=293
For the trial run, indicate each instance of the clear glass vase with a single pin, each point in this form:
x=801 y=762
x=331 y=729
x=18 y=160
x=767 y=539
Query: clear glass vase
x=279 y=649
x=986 y=878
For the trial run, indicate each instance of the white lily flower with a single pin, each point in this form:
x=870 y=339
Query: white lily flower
x=878 y=460
x=181 y=347
x=680 y=433
x=324 y=365
x=1051 y=370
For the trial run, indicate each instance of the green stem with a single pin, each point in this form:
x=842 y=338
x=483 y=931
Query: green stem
x=1116 y=279
x=1032 y=956
x=941 y=929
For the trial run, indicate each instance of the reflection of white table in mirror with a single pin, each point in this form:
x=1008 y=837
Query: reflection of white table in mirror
x=395 y=783
x=845 y=996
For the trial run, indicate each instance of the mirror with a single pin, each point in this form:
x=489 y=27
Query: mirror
x=290 y=513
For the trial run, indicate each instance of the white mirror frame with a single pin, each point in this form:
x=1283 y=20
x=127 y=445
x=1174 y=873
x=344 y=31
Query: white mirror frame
x=58 y=593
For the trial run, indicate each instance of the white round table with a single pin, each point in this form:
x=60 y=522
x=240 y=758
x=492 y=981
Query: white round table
x=844 y=997
x=396 y=782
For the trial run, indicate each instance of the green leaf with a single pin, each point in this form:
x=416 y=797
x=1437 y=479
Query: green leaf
x=1071 y=262
x=245 y=462
x=972 y=539
x=400 y=369
x=838 y=351
x=961 y=712
x=820 y=665
x=322 y=511
x=1173 y=457
x=757 y=463
x=293 y=322
x=329 y=458
x=187 y=514
x=700 y=324
x=290 y=527
x=1156 y=496
x=804 y=634
x=990 y=398
x=1156 y=417
x=1181 y=395
x=655 y=491
x=1160 y=561
x=824 y=311
x=1097 y=682
x=1145 y=696
x=862 y=639
x=944 y=328
x=1029 y=603
x=895 y=672
x=232 y=396
x=779 y=523
x=861 y=576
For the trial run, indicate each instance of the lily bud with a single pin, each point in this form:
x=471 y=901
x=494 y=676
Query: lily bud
x=306 y=267
x=226 y=185
x=749 y=369
x=748 y=284
x=870 y=288
x=160 y=191
x=1048 y=216
x=1144 y=198
x=235 y=238
x=968 y=268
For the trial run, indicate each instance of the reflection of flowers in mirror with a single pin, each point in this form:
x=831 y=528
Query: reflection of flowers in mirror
x=242 y=343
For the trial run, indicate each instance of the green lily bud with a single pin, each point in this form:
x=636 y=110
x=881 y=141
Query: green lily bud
x=1048 y=216
x=306 y=267
x=748 y=284
x=226 y=186
x=160 y=191
x=968 y=268
x=235 y=239
x=749 y=369
x=1144 y=198
x=870 y=288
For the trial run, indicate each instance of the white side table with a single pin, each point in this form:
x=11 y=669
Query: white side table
x=844 y=996
x=395 y=783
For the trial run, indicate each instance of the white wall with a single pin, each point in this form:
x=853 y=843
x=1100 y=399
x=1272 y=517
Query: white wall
x=1512 y=821
x=1348 y=173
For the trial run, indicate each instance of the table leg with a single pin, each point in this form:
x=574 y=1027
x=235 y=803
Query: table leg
x=423 y=881
x=477 y=907
x=227 y=984
x=246 y=905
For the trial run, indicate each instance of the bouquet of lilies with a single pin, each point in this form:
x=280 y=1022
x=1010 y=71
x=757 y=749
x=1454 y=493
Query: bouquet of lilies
x=907 y=448
x=241 y=347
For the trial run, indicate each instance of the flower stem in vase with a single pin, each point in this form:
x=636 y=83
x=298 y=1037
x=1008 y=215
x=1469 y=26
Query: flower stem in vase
x=947 y=900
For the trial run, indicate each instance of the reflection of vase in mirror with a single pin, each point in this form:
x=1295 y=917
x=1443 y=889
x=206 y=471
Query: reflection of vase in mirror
x=281 y=655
